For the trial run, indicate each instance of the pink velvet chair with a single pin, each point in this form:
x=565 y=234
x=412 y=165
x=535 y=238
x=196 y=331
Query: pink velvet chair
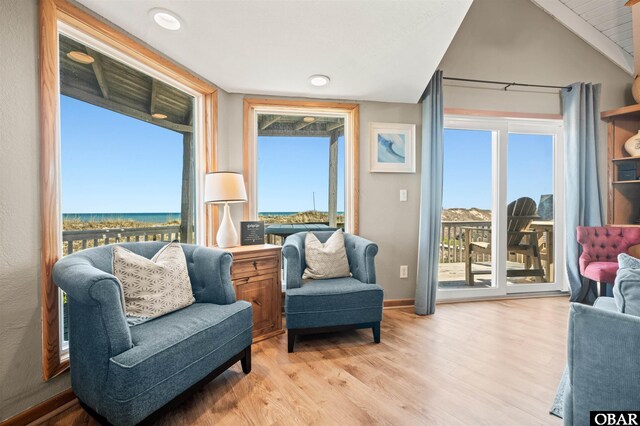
x=601 y=246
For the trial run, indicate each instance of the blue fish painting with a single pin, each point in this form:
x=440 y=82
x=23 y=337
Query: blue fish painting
x=391 y=148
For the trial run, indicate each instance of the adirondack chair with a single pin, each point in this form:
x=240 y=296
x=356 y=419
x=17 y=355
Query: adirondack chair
x=520 y=214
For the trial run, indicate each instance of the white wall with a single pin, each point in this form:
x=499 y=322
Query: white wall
x=21 y=383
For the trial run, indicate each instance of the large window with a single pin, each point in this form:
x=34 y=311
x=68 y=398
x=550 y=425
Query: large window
x=301 y=166
x=126 y=141
x=502 y=198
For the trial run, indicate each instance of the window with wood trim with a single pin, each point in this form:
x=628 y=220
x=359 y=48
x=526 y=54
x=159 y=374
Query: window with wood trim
x=124 y=131
x=301 y=162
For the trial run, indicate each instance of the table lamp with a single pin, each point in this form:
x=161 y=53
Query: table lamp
x=225 y=187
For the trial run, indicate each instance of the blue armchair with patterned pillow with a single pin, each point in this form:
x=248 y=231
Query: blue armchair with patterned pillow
x=122 y=374
x=326 y=305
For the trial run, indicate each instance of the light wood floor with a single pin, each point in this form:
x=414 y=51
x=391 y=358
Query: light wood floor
x=494 y=363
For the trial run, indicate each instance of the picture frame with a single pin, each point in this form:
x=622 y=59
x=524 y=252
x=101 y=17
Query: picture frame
x=392 y=148
x=251 y=233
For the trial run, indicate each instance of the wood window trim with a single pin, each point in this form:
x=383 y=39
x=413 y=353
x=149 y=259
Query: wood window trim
x=50 y=12
x=353 y=117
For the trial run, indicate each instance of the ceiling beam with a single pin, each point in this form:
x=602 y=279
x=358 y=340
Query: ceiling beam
x=98 y=71
x=154 y=96
x=290 y=133
x=270 y=122
x=122 y=109
x=302 y=124
x=334 y=126
x=588 y=33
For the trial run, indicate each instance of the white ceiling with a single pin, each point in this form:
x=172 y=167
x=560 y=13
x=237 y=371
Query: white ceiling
x=379 y=50
x=611 y=17
x=604 y=24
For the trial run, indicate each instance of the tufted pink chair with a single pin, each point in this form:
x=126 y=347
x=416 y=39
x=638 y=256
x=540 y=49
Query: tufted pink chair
x=601 y=246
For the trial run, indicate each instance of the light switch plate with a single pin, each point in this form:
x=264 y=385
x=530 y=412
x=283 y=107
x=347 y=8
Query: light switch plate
x=403 y=195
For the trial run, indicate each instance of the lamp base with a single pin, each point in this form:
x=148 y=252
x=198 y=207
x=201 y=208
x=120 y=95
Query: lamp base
x=227 y=235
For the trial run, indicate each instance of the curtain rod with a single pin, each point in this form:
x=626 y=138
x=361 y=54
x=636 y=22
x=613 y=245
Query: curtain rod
x=505 y=83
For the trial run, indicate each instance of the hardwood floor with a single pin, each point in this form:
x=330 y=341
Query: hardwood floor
x=495 y=363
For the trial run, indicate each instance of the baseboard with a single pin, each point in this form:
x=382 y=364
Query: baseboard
x=45 y=408
x=398 y=303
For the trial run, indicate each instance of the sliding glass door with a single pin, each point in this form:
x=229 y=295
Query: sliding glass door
x=502 y=195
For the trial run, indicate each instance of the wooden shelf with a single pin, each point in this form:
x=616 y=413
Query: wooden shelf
x=631 y=111
x=626 y=159
x=626 y=181
x=623 y=206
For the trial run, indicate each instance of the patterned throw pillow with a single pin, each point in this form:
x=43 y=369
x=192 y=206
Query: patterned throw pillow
x=152 y=287
x=328 y=260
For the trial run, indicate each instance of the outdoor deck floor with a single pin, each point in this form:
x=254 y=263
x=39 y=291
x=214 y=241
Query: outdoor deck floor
x=451 y=275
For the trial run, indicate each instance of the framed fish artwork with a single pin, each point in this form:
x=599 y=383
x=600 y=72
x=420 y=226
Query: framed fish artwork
x=393 y=148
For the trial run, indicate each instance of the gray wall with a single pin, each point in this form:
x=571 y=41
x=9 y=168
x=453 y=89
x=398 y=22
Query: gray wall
x=511 y=40
x=21 y=383
x=383 y=218
x=517 y=41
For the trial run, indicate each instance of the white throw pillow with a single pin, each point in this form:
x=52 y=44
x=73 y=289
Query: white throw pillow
x=328 y=260
x=152 y=287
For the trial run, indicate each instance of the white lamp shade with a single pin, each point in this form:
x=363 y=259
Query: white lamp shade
x=224 y=187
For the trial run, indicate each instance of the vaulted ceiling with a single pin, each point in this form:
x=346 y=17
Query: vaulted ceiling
x=604 y=24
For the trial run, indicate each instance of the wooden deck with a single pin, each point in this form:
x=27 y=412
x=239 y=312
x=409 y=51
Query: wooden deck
x=496 y=363
x=451 y=275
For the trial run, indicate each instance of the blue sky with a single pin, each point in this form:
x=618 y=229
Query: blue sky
x=116 y=164
x=467 y=168
x=291 y=169
x=112 y=163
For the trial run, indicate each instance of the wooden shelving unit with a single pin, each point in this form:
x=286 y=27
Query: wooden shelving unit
x=623 y=195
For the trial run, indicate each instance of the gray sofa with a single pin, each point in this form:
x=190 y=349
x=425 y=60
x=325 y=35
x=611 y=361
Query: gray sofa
x=604 y=352
x=333 y=304
x=123 y=374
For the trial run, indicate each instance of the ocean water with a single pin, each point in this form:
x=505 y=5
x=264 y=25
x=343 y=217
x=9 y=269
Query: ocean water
x=140 y=217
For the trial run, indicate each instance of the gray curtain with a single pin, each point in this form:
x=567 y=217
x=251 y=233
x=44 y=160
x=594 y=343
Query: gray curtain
x=430 y=196
x=581 y=113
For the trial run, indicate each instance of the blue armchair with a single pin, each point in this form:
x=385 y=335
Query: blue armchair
x=318 y=306
x=125 y=374
x=603 y=351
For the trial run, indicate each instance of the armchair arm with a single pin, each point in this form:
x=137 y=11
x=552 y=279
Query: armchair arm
x=210 y=274
x=604 y=371
x=100 y=292
x=293 y=255
x=361 y=253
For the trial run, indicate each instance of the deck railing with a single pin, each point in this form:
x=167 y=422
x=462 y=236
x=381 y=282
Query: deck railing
x=452 y=244
x=86 y=238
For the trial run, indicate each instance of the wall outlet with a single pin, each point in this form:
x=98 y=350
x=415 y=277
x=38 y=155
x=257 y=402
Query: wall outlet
x=404 y=271
x=403 y=195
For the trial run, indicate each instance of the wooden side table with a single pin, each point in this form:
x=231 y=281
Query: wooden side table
x=255 y=273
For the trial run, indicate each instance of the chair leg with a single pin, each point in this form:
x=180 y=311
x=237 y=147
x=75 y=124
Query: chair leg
x=584 y=290
x=603 y=289
x=246 y=360
x=467 y=269
x=291 y=340
x=376 y=332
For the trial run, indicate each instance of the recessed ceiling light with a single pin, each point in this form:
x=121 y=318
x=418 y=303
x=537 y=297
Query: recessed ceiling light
x=79 y=57
x=309 y=119
x=159 y=116
x=166 y=19
x=319 y=80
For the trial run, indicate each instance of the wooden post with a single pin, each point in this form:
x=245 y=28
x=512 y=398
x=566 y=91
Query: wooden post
x=635 y=22
x=333 y=179
x=186 y=209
